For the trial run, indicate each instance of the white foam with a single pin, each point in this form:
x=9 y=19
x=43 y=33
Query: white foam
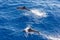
x=53 y=38
x=38 y=13
x=49 y=37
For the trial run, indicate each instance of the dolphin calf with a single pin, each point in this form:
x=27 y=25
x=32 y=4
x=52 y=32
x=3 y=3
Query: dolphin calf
x=29 y=30
x=23 y=8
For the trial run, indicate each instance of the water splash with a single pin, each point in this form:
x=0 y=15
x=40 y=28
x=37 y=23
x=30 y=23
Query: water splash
x=50 y=37
x=38 y=13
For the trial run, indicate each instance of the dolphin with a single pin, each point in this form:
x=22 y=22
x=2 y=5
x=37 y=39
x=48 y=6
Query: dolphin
x=29 y=30
x=23 y=8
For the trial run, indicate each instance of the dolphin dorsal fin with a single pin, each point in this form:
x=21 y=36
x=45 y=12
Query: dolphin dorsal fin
x=24 y=7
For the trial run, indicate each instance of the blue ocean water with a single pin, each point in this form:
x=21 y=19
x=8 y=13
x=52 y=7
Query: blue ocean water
x=12 y=20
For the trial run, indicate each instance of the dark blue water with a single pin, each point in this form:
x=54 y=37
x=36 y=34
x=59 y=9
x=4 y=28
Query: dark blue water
x=12 y=20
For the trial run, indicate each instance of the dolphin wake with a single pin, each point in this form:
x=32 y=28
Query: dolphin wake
x=38 y=13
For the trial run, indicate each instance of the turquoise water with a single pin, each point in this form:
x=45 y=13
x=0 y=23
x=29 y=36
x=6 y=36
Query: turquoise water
x=12 y=20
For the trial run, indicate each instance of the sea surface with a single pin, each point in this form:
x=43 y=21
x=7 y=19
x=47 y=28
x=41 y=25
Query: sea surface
x=44 y=16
